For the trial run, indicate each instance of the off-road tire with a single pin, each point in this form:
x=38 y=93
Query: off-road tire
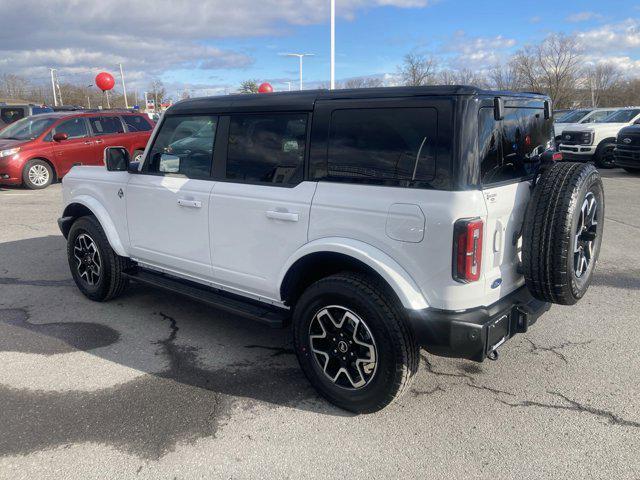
x=549 y=233
x=397 y=351
x=112 y=281
x=41 y=165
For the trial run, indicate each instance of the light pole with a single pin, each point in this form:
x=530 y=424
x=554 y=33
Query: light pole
x=300 y=57
x=124 y=89
x=333 y=45
x=53 y=86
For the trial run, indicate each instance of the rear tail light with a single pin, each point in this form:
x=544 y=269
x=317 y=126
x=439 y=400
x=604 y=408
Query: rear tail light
x=557 y=157
x=467 y=250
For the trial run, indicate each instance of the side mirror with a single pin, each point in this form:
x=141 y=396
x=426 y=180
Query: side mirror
x=60 y=137
x=116 y=159
x=637 y=122
x=547 y=110
x=498 y=108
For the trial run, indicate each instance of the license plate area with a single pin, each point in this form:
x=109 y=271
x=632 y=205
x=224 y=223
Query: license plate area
x=498 y=331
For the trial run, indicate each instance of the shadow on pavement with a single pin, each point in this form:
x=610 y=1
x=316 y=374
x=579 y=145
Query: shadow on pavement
x=178 y=399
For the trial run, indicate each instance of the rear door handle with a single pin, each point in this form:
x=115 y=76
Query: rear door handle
x=183 y=202
x=286 y=216
x=88 y=143
x=99 y=141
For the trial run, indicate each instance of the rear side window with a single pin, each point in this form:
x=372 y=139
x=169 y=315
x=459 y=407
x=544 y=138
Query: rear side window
x=10 y=115
x=184 y=146
x=267 y=148
x=75 y=128
x=506 y=146
x=136 y=123
x=106 y=125
x=384 y=145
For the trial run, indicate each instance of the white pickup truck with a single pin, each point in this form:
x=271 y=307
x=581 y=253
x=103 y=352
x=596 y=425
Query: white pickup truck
x=375 y=221
x=597 y=141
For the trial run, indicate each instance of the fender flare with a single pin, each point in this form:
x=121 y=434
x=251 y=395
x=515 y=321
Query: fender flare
x=397 y=277
x=103 y=217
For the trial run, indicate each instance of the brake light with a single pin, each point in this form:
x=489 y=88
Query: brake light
x=467 y=250
x=557 y=157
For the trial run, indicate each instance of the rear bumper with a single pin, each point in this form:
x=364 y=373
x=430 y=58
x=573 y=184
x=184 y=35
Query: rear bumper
x=473 y=334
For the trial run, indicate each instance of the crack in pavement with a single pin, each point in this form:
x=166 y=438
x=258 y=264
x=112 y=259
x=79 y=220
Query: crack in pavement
x=419 y=393
x=576 y=407
x=36 y=283
x=535 y=348
x=152 y=414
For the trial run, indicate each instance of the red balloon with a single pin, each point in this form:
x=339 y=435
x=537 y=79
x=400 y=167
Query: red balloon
x=105 y=81
x=265 y=88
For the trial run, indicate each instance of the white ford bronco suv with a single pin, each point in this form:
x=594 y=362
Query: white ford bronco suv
x=374 y=221
x=597 y=141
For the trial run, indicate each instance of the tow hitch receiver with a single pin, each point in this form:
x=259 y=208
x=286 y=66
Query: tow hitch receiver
x=498 y=333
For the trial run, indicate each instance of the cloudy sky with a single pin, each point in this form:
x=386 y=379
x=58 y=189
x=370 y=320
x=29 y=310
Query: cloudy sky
x=210 y=46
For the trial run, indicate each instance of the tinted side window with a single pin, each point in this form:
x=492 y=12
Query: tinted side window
x=136 y=123
x=386 y=145
x=505 y=146
x=267 y=148
x=75 y=128
x=10 y=115
x=184 y=145
x=105 y=125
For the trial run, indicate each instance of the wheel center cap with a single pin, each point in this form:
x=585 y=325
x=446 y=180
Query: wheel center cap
x=342 y=346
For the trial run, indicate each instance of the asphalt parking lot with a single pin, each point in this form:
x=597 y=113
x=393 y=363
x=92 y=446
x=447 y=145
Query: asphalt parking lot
x=156 y=386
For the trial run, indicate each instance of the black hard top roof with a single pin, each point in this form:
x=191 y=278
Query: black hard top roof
x=304 y=100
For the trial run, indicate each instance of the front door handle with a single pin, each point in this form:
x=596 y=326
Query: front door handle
x=99 y=142
x=183 y=202
x=286 y=216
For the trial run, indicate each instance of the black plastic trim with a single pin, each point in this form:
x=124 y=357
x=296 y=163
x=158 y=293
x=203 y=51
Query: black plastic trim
x=466 y=334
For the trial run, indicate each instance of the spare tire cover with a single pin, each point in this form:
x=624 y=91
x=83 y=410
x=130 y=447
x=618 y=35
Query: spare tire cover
x=562 y=232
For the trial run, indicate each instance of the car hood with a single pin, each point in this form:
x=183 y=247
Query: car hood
x=8 y=143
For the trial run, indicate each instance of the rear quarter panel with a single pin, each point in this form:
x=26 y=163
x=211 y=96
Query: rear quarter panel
x=362 y=212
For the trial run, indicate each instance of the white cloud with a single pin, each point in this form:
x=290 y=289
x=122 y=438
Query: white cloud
x=150 y=37
x=478 y=53
x=613 y=37
x=583 y=17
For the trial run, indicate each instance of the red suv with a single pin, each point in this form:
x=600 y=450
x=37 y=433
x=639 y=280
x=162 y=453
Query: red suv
x=39 y=149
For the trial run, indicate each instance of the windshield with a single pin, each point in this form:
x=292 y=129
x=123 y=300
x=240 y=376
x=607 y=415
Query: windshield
x=27 y=128
x=573 y=117
x=622 y=116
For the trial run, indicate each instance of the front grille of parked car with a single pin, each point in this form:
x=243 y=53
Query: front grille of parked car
x=627 y=150
x=575 y=138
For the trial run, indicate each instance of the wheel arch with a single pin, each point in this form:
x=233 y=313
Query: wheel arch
x=325 y=257
x=85 y=205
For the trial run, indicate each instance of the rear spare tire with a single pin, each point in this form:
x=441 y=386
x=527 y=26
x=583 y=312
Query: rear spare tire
x=562 y=233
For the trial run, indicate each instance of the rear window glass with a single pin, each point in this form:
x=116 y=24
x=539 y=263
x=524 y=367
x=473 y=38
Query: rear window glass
x=136 y=123
x=383 y=145
x=105 y=125
x=505 y=146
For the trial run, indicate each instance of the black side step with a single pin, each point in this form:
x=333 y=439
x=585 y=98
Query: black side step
x=273 y=316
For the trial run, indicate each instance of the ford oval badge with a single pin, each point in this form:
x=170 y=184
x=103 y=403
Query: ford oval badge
x=496 y=283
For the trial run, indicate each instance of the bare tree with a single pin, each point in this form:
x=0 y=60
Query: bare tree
x=603 y=82
x=417 y=70
x=504 y=77
x=462 y=77
x=551 y=67
x=362 y=82
x=158 y=92
x=249 y=86
x=14 y=86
